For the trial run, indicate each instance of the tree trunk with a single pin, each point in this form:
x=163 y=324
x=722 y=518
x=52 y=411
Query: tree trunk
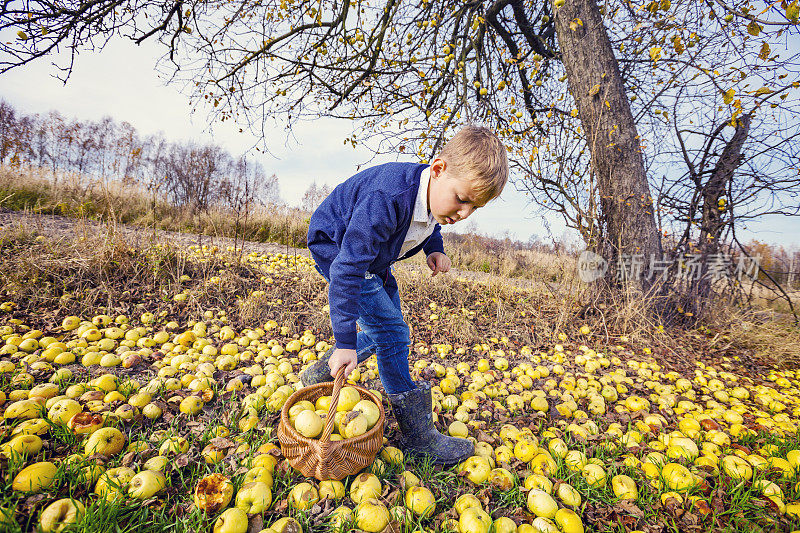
x=595 y=82
x=713 y=222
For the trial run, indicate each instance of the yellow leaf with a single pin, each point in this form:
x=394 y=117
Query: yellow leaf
x=655 y=53
x=754 y=28
x=594 y=90
x=677 y=43
x=763 y=91
x=763 y=54
x=727 y=97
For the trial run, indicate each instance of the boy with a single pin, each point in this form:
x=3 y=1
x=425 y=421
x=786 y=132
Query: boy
x=379 y=216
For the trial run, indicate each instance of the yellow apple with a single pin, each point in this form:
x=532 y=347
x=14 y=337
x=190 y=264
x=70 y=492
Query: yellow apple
x=678 y=477
x=594 y=475
x=332 y=489
x=348 y=398
x=173 y=445
x=569 y=495
x=624 y=487
x=303 y=496
x=501 y=479
x=392 y=455
x=32 y=426
x=309 y=424
x=340 y=516
x=371 y=515
x=458 y=429
x=667 y=496
x=61 y=514
x=212 y=454
x=21 y=445
x=113 y=483
x=421 y=501
x=156 y=464
x=543 y=464
x=63 y=410
x=409 y=479
x=354 y=427
x=254 y=497
x=525 y=450
x=263 y=474
x=401 y=514
x=538 y=481
x=476 y=469
x=23 y=410
x=371 y=411
x=474 y=520
x=35 y=478
x=504 y=525
x=232 y=520
x=365 y=486
x=287 y=524
x=568 y=521
x=212 y=493
x=191 y=405
x=105 y=441
x=146 y=484
x=465 y=501
x=541 y=524
x=152 y=411
x=575 y=460
x=541 y=503
x=85 y=423
x=682 y=447
x=736 y=467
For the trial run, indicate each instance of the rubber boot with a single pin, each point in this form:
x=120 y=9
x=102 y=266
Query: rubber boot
x=414 y=413
x=318 y=371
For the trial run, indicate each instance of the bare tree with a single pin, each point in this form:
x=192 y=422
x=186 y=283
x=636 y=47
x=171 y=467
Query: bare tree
x=8 y=123
x=314 y=196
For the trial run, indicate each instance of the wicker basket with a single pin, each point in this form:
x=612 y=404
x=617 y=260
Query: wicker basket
x=322 y=458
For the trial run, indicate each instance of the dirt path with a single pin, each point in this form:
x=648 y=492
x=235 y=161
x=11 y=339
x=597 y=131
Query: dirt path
x=60 y=227
x=57 y=227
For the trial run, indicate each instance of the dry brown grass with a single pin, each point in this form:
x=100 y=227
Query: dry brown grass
x=763 y=335
x=36 y=190
x=73 y=195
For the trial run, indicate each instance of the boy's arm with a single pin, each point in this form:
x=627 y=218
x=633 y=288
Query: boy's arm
x=372 y=222
x=434 y=252
x=434 y=242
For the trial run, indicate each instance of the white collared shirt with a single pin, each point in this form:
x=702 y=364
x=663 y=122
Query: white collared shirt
x=422 y=222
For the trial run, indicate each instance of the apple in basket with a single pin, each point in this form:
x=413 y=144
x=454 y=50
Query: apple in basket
x=353 y=416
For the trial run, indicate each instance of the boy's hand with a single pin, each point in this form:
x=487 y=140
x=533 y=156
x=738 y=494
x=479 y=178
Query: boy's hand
x=438 y=262
x=342 y=358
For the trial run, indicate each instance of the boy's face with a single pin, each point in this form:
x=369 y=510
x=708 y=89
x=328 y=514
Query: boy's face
x=450 y=197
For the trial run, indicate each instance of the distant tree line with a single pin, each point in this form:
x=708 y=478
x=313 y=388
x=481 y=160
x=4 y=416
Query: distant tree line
x=186 y=174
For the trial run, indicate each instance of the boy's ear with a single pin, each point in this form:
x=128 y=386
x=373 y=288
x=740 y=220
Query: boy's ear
x=437 y=167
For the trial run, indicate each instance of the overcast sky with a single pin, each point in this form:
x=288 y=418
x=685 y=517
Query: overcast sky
x=121 y=82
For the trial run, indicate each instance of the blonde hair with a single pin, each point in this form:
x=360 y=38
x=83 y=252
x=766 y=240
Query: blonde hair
x=475 y=153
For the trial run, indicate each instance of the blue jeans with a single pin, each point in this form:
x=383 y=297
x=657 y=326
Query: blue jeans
x=384 y=332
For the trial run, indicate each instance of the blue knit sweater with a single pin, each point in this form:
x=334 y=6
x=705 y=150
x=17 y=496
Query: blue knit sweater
x=360 y=228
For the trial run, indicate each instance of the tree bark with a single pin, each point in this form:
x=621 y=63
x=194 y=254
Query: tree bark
x=713 y=223
x=596 y=85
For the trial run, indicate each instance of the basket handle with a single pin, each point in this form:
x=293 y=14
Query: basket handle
x=337 y=387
